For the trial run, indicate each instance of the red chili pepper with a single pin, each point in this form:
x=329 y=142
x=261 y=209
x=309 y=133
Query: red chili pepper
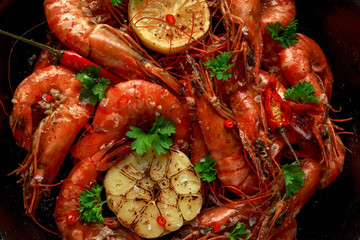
x=277 y=111
x=68 y=58
x=78 y=62
x=170 y=19
x=71 y=218
x=161 y=221
x=49 y=98
x=217 y=227
x=279 y=114
x=229 y=123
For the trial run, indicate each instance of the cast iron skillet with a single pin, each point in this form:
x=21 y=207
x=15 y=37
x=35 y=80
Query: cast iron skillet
x=331 y=213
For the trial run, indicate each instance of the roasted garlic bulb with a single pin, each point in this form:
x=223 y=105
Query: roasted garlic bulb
x=154 y=195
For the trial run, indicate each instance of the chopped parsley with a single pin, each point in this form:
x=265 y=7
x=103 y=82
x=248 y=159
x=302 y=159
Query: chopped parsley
x=302 y=93
x=94 y=85
x=158 y=137
x=286 y=36
x=239 y=230
x=219 y=66
x=206 y=169
x=91 y=205
x=293 y=178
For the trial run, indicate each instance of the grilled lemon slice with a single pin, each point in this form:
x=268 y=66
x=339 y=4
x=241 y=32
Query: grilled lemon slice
x=154 y=195
x=169 y=26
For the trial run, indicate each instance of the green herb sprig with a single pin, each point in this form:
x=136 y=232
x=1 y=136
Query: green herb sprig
x=219 y=66
x=240 y=229
x=286 y=36
x=302 y=93
x=206 y=169
x=91 y=205
x=158 y=137
x=94 y=86
x=115 y=2
x=294 y=179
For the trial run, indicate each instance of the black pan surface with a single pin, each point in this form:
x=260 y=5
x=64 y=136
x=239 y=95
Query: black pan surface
x=330 y=214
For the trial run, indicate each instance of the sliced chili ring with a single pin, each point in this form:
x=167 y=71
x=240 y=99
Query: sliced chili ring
x=70 y=218
x=49 y=98
x=229 y=123
x=170 y=19
x=161 y=221
x=216 y=227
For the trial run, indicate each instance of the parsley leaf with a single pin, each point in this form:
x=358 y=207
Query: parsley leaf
x=294 y=179
x=159 y=136
x=240 y=229
x=94 y=86
x=142 y=140
x=163 y=126
x=302 y=93
x=115 y=2
x=161 y=142
x=219 y=66
x=91 y=205
x=285 y=35
x=206 y=169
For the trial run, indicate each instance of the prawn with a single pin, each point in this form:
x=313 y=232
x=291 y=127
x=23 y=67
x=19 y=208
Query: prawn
x=247 y=15
x=80 y=25
x=128 y=104
x=281 y=215
x=45 y=120
x=247 y=108
x=307 y=62
x=272 y=218
x=198 y=147
x=225 y=149
x=274 y=11
x=216 y=220
x=83 y=176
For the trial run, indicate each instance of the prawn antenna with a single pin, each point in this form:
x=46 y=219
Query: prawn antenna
x=281 y=131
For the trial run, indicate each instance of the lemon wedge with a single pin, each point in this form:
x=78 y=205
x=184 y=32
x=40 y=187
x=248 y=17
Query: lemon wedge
x=169 y=26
